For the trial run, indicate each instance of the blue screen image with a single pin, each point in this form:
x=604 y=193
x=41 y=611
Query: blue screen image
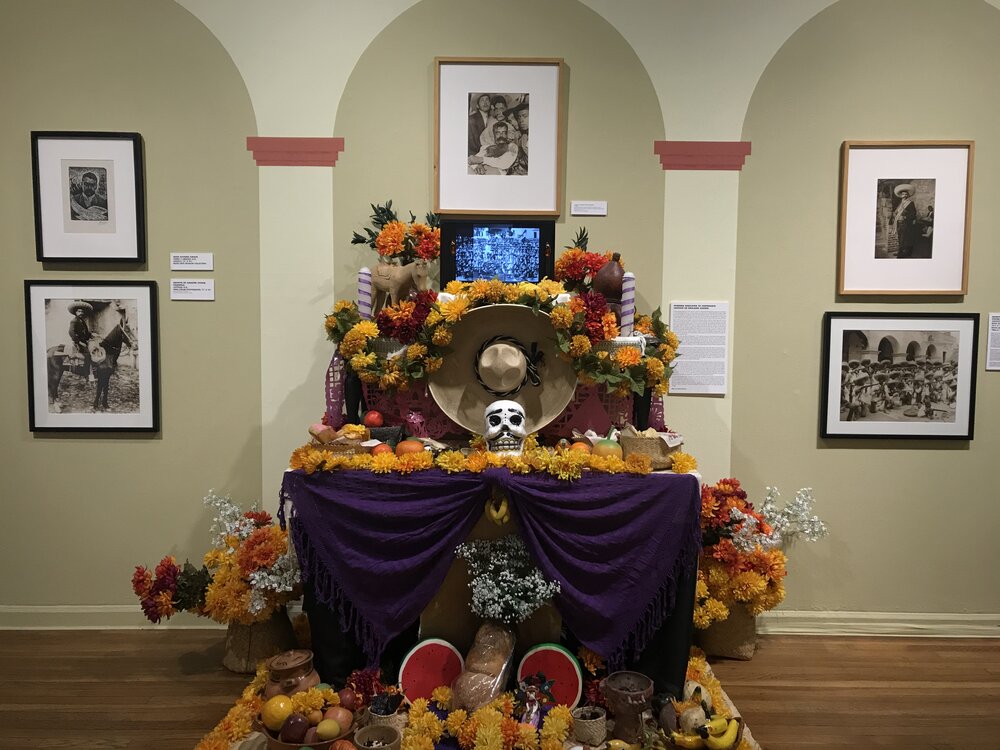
x=505 y=252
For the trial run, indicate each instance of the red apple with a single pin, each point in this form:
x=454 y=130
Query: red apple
x=340 y=715
x=294 y=729
x=348 y=699
x=373 y=419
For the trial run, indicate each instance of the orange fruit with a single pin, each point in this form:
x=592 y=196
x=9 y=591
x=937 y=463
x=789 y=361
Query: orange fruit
x=408 y=446
x=607 y=447
x=275 y=711
x=381 y=448
x=581 y=447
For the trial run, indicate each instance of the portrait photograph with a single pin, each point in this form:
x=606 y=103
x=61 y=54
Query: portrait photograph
x=498 y=118
x=89 y=196
x=92 y=355
x=892 y=375
x=905 y=213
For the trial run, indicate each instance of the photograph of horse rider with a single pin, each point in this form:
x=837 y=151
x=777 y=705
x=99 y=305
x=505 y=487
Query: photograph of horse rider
x=80 y=334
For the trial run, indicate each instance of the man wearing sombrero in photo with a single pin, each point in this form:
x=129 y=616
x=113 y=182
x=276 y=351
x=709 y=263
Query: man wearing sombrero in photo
x=903 y=232
x=80 y=333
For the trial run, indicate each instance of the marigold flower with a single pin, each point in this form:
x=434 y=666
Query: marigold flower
x=627 y=356
x=578 y=346
x=390 y=240
x=416 y=351
x=342 y=305
x=527 y=737
x=453 y=723
x=672 y=339
x=142 y=581
x=667 y=352
x=683 y=463
x=454 y=309
x=643 y=324
x=362 y=361
x=610 y=326
x=441 y=695
x=455 y=287
x=433 y=364
x=441 y=336
x=561 y=317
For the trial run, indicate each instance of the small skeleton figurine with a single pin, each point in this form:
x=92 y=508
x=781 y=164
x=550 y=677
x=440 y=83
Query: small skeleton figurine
x=505 y=427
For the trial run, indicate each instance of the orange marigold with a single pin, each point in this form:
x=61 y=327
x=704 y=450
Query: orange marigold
x=390 y=240
x=627 y=356
x=261 y=549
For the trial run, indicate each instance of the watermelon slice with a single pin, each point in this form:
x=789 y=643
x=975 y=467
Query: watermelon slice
x=430 y=664
x=558 y=665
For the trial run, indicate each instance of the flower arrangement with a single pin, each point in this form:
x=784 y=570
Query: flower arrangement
x=395 y=239
x=562 y=464
x=576 y=267
x=586 y=321
x=249 y=573
x=506 y=584
x=742 y=559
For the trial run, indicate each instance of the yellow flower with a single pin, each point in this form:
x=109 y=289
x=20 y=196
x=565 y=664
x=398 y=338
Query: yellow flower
x=368 y=377
x=644 y=324
x=414 y=462
x=384 y=463
x=661 y=388
x=489 y=737
x=527 y=737
x=578 y=346
x=441 y=336
x=672 y=339
x=416 y=351
x=476 y=462
x=366 y=328
x=668 y=353
x=433 y=318
x=442 y=696
x=479 y=290
x=654 y=368
x=511 y=293
x=550 y=287
x=562 y=317
x=683 y=463
x=404 y=309
x=418 y=707
x=627 y=356
x=433 y=364
x=638 y=463
x=353 y=430
x=416 y=741
x=390 y=379
x=306 y=701
x=590 y=660
x=455 y=287
x=453 y=723
x=610 y=326
x=361 y=361
x=330 y=324
x=454 y=309
x=450 y=461
x=344 y=304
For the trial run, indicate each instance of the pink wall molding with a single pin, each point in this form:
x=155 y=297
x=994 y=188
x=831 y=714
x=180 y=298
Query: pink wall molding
x=295 y=152
x=699 y=155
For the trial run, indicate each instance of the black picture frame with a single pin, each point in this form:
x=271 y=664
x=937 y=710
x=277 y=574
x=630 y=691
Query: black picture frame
x=121 y=317
x=899 y=375
x=454 y=229
x=89 y=197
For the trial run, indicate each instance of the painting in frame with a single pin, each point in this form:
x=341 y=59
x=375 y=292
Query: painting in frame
x=905 y=210
x=89 y=197
x=899 y=375
x=498 y=136
x=92 y=356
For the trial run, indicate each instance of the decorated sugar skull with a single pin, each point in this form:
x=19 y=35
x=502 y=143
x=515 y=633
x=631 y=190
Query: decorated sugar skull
x=505 y=427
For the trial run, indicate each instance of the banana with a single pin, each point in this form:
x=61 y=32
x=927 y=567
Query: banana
x=718 y=725
x=499 y=513
x=686 y=740
x=725 y=740
x=622 y=745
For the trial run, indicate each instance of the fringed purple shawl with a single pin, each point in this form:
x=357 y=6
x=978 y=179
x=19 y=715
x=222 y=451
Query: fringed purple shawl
x=376 y=547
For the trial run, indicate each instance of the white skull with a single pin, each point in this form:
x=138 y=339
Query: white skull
x=506 y=427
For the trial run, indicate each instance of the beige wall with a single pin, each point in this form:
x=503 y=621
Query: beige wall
x=911 y=523
x=81 y=510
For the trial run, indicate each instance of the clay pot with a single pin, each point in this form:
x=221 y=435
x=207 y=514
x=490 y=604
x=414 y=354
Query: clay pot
x=629 y=695
x=387 y=735
x=290 y=672
x=608 y=280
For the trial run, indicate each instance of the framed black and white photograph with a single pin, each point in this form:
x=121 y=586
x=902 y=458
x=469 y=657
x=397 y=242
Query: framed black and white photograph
x=904 y=217
x=498 y=136
x=92 y=356
x=89 y=196
x=899 y=375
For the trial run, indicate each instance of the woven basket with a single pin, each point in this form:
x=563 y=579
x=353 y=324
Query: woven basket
x=654 y=447
x=620 y=342
x=590 y=732
x=732 y=638
x=397 y=721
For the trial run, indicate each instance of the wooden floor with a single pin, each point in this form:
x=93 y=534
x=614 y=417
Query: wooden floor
x=160 y=690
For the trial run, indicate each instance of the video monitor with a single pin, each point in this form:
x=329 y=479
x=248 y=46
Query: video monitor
x=505 y=249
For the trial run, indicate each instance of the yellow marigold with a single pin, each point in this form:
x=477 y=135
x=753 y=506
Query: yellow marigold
x=257 y=683
x=429 y=725
x=578 y=346
x=550 y=743
x=610 y=326
x=747 y=585
x=433 y=318
x=450 y=461
x=455 y=287
x=498 y=291
x=441 y=336
x=454 y=721
x=550 y=287
x=638 y=463
x=531 y=442
x=416 y=741
x=478 y=443
x=384 y=463
x=361 y=361
x=433 y=364
x=213 y=741
x=404 y=309
x=390 y=379
x=654 y=368
x=527 y=737
x=562 y=317
x=390 y=240
x=560 y=713
x=683 y=463
x=215 y=557
x=511 y=293
x=418 y=707
x=627 y=356
x=414 y=462
x=489 y=737
x=504 y=703
x=344 y=304
x=368 y=377
x=307 y=700
x=477 y=462
x=661 y=388
x=590 y=660
x=330 y=324
x=717 y=611
x=442 y=696
x=516 y=464
x=360 y=461
x=667 y=352
x=567 y=466
x=416 y=351
x=644 y=324
x=672 y=339
x=538 y=459
x=352 y=344
x=453 y=310
x=479 y=290
x=366 y=328
x=355 y=431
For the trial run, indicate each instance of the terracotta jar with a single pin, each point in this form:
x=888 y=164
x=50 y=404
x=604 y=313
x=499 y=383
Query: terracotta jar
x=290 y=672
x=608 y=281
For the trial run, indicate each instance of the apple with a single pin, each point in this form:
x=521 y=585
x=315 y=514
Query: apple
x=340 y=715
x=373 y=419
x=294 y=729
x=327 y=729
x=315 y=717
x=311 y=737
x=348 y=698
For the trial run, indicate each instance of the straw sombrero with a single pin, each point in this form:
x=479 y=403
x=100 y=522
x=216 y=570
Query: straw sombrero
x=503 y=352
x=80 y=305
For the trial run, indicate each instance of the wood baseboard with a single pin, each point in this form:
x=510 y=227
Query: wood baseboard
x=92 y=617
x=909 y=624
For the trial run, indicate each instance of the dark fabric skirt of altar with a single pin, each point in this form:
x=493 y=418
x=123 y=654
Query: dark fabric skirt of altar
x=664 y=660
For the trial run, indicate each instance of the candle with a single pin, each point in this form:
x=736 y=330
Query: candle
x=365 y=293
x=628 y=303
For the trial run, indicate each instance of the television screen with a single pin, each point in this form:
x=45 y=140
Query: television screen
x=511 y=251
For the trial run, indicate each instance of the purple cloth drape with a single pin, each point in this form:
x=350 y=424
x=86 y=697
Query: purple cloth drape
x=376 y=547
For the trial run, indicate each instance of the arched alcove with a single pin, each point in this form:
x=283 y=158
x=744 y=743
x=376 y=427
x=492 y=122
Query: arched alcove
x=386 y=116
